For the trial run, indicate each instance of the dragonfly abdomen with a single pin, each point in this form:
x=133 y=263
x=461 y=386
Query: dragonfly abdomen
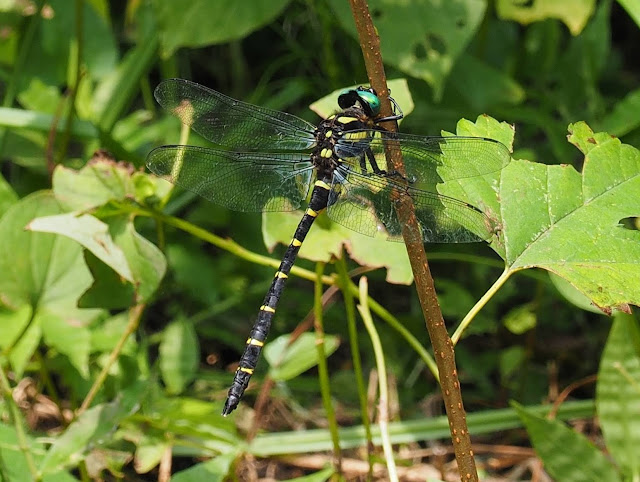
x=260 y=330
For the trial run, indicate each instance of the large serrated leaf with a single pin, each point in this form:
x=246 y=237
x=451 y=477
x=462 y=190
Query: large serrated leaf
x=618 y=392
x=570 y=224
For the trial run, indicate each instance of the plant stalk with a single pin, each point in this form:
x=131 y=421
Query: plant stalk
x=442 y=345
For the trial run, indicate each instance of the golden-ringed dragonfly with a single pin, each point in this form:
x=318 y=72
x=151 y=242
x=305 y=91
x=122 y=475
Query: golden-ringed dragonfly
x=271 y=159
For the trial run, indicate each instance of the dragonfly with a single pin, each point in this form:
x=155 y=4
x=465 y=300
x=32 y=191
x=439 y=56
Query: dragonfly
x=268 y=160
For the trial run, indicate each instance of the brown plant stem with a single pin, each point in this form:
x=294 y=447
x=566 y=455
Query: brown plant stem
x=442 y=346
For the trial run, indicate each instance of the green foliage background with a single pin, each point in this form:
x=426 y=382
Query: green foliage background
x=153 y=310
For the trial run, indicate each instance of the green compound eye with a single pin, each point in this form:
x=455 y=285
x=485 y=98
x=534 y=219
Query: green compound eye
x=371 y=100
x=367 y=98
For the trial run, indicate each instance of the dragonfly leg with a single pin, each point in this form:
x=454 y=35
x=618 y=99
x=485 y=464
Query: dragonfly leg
x=373 y=162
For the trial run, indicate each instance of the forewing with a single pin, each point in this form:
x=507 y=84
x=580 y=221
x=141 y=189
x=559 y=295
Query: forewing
x=367 y=204
x=427 y=160
x=241 y=181
x=230 y=122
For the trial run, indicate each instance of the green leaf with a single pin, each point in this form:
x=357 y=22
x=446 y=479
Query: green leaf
x=481 y=191
x=42 y=271
x=482 y=85
x=511 y=360
x=147 y=262
x=567 y=455
x=98 y=182
x=41 y=97
x=14 y=465
x=39 y=121
x=70 y=339
x=114 y=241
x=106 y=335
x=228 y=21
x=109 y=290
x=618 y=392
x=288 y=361
x=149 y=454
x=20 y=335
x=326 y=239
x=574 y=13
x=398 y=88
x=319 y=476
x=91 y=233
x=212 y=470
x=197 y=419
x=8 y=197
x=520 y=320
x=89 y=429
x=625 y=115
x=433 y=34
x=54 y=35
x=571 y=294
x=556 y=219
x=117 y=88
x=116 y=244
x=179 y=355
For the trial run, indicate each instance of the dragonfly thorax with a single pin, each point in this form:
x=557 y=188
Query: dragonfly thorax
x=324 y=156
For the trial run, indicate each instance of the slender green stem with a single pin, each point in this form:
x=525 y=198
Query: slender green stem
x=383 y=386
x=394 y=323
x=344 y=281
x=478 y=306
x=16 y=418
x=185 y=130
x=226 y=244
x=84 y=471
x=134 y=320
x=147 y=95
x=323 y=370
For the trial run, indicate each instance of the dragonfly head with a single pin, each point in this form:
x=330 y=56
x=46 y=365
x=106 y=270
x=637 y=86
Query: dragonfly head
x=367 y=98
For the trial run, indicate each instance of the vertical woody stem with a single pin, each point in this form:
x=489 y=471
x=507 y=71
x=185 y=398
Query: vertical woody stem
x=442 y=346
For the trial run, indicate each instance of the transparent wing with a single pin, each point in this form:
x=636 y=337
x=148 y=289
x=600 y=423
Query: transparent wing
x=427 y=160
x=232 y=123
x=241 y=181
x=366 y=204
